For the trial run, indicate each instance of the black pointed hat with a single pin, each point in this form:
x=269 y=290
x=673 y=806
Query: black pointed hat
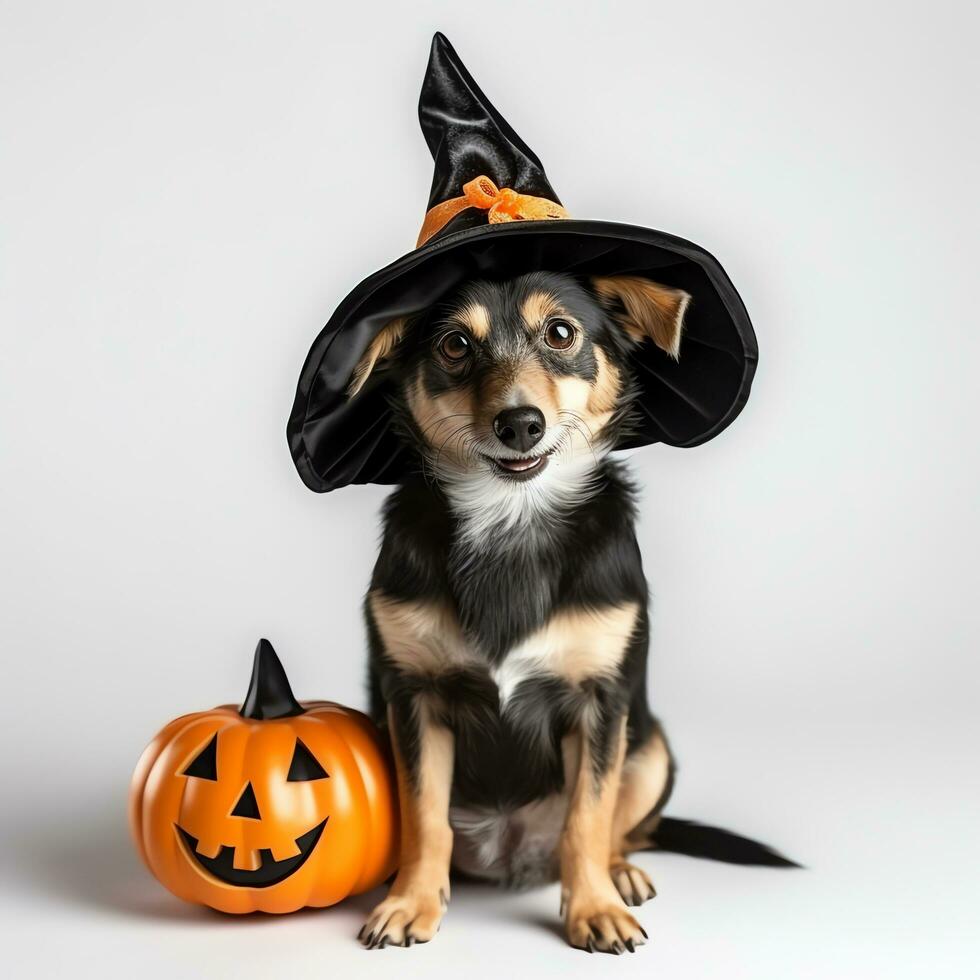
x=493 y=215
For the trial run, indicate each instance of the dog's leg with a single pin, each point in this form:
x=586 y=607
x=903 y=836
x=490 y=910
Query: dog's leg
x=415 y=904
x=643 y=791
x=595 y=916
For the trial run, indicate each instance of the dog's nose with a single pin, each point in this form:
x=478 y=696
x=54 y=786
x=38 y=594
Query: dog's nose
x=519 y=428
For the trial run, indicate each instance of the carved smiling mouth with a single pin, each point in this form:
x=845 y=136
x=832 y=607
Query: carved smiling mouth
x=269 y=871
x=519 y=469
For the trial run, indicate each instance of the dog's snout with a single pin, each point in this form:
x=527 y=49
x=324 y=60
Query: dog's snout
x=519 y=428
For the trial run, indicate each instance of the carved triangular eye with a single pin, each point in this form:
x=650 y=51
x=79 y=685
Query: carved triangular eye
x=304 y=766
x=205 y=763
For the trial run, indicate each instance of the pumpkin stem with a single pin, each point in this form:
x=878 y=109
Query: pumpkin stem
x=269 y=694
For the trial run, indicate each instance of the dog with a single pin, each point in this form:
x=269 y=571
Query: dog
x=507 y=614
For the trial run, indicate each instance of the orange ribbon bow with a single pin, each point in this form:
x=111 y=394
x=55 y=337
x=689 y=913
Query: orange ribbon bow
x=502 y=204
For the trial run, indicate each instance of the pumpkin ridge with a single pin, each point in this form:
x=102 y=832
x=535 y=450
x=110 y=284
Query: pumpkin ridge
x=358 y=730
x=319 y=732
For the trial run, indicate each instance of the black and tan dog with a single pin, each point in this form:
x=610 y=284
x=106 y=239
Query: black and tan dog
x=507 y=613
x=490 y=373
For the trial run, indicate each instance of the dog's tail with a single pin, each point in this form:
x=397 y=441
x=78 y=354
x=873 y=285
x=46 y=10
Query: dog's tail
x=697 y=840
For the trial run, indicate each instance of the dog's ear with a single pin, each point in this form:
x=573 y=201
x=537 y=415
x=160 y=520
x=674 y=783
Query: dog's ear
x=378 y=350
x=644 y=308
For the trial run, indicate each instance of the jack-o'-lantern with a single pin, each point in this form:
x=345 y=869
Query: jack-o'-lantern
x=273 y=806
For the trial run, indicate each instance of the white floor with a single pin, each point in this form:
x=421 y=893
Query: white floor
x=884 y=816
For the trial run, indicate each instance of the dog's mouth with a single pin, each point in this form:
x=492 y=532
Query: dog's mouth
x=523 y=468
x=269 y=872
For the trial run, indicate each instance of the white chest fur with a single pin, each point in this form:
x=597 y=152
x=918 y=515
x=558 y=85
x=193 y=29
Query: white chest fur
x=574 y=645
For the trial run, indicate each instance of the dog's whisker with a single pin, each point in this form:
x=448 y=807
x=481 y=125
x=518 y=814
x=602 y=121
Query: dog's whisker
x=453 y=440
x=434 y=426
x=582 y=427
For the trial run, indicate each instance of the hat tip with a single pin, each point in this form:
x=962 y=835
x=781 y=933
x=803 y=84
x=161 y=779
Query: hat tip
x=440 y=42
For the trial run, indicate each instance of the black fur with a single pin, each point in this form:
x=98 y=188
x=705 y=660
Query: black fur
x=593 y=560
x=697 y=840
x=502 y=592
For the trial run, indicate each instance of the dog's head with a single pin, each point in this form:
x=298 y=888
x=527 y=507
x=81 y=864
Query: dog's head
x=514 y=391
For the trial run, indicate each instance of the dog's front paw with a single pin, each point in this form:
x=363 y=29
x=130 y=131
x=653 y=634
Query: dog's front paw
x=410 y=914
x=632 y=883
x=596 y=923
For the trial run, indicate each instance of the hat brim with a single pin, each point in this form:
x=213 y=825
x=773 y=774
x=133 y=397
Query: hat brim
x=336 y=440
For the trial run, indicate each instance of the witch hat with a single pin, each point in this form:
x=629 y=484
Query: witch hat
x=493 y=214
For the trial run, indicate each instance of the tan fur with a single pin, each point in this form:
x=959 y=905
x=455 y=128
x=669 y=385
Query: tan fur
x=537 y=308
x=417 y=899
x=379 y=348
x=419 y=637
x=591 y=405
x=475 y=318
x=606 y=389
x=644 y=779
x=651 y=310
x=590 y=642
x=441 y=417
x=528 y=383
x=574 y=645
x=593 y=909
x=642 y=784
x=573 y=395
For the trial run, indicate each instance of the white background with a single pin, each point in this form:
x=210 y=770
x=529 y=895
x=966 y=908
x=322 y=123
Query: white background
x=188 y=190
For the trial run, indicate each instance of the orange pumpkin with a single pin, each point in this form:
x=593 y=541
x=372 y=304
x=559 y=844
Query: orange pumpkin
x=274 y=806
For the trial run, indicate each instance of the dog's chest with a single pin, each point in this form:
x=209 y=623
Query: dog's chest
x=547 y=653
x=430 y=639
x=502 y=616
x=502 y=597
x=571 y=645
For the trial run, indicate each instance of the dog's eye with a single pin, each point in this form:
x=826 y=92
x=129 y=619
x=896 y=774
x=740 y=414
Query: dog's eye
x=455 y=347
x=559 y=334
